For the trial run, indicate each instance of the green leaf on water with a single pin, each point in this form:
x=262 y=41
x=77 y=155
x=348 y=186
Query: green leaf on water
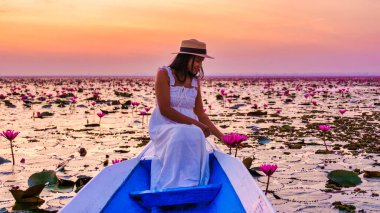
x=371 y=174
x=91 y=125
x=30 y=195
x=254 y=173
x=257 y=113
x=344 y=178
x=248 y=162
x=63 y=186
x=264 y=140
x=46 y=176
x=3 y=160
x=55 y=184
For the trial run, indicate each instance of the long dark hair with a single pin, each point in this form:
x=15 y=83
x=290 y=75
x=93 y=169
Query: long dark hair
x=179 y=65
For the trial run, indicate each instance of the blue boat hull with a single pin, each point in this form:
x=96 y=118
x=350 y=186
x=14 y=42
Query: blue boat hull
x=124 y=187
x=225 y=201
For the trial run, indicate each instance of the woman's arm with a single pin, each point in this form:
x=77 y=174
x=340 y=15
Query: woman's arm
x=163 y=100
x=202 y=116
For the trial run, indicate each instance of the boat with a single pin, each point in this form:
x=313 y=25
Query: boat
x=125 y=187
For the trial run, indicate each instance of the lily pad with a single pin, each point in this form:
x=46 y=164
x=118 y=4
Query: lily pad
x=257 y=113
x=248 y=162
x=286 y=128
x=63 y=186
x=91 y=125
x=47 y=106
x=81 y=181
x=46 y=113
x=371 y=174
x=344 y=207
x=55 y=184
x=3 y=160
x=254 y=173
x=324 y=151
x=263 y=140
x=294 y=145
x=254 y=128
x=344 y=178
x=237 y=106
x=123 y=94
x=30 y=195
x=28 y=207
x=46 y=176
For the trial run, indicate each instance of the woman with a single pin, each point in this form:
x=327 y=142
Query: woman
x=178 y=127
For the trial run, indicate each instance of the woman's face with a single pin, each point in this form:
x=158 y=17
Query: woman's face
x=196 y=66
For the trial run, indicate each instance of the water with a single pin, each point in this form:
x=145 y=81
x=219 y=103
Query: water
x=299 y=181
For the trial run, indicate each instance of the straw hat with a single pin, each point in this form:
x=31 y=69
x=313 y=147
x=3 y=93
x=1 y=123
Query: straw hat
x=193 y=47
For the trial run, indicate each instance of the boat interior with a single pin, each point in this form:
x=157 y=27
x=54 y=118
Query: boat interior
x=134 y=195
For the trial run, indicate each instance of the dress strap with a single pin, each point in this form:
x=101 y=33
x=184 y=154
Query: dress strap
x=170 y=74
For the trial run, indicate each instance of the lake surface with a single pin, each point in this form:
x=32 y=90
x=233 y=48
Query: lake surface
x=298 y=185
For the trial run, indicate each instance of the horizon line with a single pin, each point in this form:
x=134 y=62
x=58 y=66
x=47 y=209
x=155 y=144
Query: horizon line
x=208 y=76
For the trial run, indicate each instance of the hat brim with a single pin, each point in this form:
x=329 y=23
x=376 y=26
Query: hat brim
x=201 y=55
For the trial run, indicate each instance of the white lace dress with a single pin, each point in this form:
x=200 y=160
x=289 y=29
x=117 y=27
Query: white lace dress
x=180 y=155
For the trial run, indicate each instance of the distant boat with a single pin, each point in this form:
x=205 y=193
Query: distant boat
x=124 y=187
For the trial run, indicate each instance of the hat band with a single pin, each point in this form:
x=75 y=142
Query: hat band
x=193 y=50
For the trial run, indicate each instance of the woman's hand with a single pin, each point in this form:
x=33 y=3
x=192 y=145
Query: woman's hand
x=204 y=128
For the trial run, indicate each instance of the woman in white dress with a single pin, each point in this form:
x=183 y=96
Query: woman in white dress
x=178 y=126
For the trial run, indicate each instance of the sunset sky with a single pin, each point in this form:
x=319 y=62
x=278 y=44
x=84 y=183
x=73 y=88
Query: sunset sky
x=246 y=37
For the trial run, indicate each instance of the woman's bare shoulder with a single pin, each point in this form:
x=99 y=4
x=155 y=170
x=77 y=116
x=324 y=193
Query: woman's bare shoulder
x=162 y=74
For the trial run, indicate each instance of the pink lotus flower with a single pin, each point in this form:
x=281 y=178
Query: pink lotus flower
x=24 y=98
x=143 y=113
x=73 y=100
x=306 y=95
x=229 y=100
x=314 y=103
x=223 y=92
x=10 y=135
x=268 y=170
x=101 y=114
x=324 y=129
x=96 y=95
x=342 y=111
x=278 y=111
x=233 y=140
x=147 y=109
x=116 y=161
x=135 y=103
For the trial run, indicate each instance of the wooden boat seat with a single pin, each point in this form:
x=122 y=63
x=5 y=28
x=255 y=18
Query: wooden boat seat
x=176 y=196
